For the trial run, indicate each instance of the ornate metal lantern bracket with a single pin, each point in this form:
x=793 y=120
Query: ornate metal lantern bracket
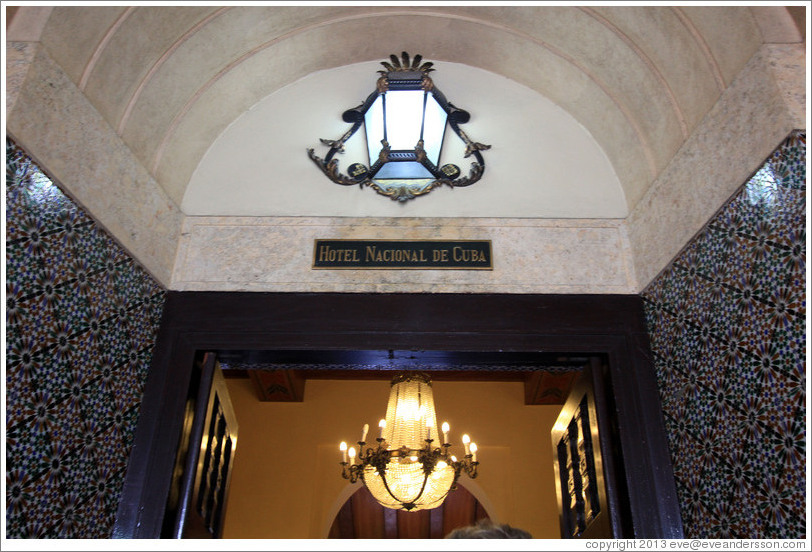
x=403 y=74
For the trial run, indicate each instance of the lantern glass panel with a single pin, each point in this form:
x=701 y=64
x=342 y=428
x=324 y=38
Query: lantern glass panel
x=373 y=124
x=434 y=129
x=397 y=170
x=404 y=116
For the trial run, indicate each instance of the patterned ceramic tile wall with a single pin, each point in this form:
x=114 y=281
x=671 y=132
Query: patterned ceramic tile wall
x=727 y=324
x=81 y=318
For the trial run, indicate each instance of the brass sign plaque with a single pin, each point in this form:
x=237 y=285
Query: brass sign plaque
x=403 y=254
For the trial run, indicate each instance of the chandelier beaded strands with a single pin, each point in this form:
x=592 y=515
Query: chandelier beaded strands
x=405 y=470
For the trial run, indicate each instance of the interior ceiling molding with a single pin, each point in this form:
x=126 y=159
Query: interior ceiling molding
x=649 y=64
x=99 y=50
x=281 y=375
x=703 y=44
x=541 y=386
x=394 y=359
x=377 y=371
x=157 y=65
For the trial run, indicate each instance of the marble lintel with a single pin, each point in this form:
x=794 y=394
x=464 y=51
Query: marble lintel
x=276 y=254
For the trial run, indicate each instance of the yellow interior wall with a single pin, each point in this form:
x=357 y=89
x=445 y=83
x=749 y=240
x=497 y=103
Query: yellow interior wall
x=286 y=482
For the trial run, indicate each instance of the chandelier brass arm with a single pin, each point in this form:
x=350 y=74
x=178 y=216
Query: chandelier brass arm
x=379 y=457
x=405 y=468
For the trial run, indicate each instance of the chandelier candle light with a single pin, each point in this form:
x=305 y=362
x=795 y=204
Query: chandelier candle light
x=405 y=470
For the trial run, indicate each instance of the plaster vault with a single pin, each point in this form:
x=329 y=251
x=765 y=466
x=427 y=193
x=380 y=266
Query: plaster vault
x=617 y=133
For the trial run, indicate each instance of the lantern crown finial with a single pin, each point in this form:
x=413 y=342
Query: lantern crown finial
x=405 y=64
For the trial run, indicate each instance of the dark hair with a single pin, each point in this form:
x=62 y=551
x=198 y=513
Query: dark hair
x=486 y=529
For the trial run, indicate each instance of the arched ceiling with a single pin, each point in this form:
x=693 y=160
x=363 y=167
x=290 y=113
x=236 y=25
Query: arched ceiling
x=171 y=80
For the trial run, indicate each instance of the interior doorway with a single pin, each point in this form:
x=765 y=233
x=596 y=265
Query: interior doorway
x=270 y=498
x=609 y=325
x=508 y=399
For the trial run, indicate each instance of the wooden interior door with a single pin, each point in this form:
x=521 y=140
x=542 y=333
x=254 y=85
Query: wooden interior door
x=584 y=477
x=212 y=444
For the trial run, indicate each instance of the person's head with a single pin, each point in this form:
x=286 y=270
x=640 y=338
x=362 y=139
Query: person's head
x=486 y=529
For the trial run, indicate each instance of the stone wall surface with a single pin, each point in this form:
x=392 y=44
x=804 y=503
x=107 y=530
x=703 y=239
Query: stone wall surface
x=277 y=254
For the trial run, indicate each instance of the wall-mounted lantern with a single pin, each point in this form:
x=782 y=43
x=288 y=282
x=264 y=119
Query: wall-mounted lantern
x=405 y=120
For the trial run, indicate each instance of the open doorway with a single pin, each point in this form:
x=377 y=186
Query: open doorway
x=612 y=326
x=287 y=479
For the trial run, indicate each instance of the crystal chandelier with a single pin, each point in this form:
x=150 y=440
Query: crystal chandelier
x=405 y=471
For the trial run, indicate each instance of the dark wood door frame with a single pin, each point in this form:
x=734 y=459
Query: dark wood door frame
x=608 y=325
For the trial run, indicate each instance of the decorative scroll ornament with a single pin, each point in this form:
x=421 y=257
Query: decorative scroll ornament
x=405 y=119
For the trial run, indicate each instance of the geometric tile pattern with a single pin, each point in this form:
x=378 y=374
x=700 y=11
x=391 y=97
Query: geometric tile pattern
x=81 y=319
x=726 y=321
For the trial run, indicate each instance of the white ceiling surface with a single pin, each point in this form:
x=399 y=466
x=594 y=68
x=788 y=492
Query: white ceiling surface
x=262 y=155
x=584 y=106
